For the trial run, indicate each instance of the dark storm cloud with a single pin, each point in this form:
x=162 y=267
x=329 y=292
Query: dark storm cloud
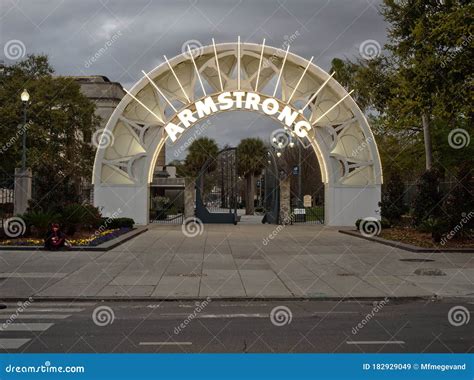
x=139 y=33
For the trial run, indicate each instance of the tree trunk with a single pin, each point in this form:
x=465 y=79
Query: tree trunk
x=249 y=206
x=427 y=137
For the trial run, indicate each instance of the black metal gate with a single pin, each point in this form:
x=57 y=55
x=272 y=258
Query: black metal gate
x=216 y=189
x=271 y=199
x=167 y=201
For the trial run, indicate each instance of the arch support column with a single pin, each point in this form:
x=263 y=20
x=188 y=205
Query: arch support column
x=131 y=201
x=344 y=205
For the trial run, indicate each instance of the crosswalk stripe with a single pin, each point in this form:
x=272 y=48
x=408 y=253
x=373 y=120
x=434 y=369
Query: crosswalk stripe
x=375 y=342
x=35 y=316
x=26 y=327
x=165 y=343
x=43 y=310
x=12 y=343
x=51 y=304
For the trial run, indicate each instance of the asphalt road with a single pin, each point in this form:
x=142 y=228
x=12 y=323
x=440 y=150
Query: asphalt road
x=239 y=326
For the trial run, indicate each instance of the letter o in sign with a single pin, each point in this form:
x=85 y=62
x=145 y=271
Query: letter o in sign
x=270 y=106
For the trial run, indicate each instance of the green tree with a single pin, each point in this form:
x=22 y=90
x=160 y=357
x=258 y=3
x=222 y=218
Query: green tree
x=251 y=159
x=392 y=206
x=199 y=152
x=60 y=124
x=427 y=203
x=420 y=87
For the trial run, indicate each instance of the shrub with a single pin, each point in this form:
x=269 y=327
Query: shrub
x=427 y=202
x=460 y=202
x=392 y=205
x=114 y=223
x=37 y=222
x=437 y=227
x=78 y=216
x=357 y=223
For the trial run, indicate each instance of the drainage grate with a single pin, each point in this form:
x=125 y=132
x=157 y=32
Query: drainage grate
x=417 y=260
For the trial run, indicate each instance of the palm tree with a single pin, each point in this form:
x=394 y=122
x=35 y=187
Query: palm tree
x=199 y=152
x=251 y=158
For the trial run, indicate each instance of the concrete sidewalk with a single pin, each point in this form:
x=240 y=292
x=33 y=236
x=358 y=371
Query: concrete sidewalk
x=227 y=261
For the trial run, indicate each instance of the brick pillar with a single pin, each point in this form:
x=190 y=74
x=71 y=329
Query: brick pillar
x=285 y=195
x=189 y=191
x=22 y=190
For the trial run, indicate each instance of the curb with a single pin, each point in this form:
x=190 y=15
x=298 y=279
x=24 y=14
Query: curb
x=406 y=247
x=228 y=299
x=106 y=246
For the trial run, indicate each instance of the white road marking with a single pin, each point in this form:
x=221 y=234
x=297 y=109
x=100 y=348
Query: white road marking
x=256 y=315
x=375 y=342
x=13 y=343
x=334 y=312
x=33 y=275
x=43 y=310
x=26 y=327
x=250 y=315
x=34 y=316
x=243 y=305
x=165 y=343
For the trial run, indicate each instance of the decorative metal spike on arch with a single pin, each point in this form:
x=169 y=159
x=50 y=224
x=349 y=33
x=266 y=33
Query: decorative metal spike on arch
x=185 y=89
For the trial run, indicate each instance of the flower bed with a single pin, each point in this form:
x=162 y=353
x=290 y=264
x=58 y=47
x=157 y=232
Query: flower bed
x=83 y=239
x=422 y=239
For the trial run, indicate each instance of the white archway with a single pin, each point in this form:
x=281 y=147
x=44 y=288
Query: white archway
x=187 y=88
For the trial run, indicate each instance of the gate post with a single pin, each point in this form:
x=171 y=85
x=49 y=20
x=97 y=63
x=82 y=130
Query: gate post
x=285 y=195
x=189 y=188
x=22 y=190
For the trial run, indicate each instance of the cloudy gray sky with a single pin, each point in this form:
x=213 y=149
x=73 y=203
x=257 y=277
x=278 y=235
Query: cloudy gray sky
x=142 y=31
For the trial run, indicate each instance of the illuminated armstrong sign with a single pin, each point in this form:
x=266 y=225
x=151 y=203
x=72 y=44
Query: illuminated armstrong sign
x=184 y=90
x=237 y=100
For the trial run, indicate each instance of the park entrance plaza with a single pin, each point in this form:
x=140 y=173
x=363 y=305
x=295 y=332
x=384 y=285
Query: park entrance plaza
x=227 y=261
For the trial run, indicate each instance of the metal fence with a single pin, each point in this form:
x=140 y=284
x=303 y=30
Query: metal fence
x=308 y=215
x=166 y=205
x=7 y=195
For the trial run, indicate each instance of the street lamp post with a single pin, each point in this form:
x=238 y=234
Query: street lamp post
x=25 y=97
x=292 y=144
x=299 y=175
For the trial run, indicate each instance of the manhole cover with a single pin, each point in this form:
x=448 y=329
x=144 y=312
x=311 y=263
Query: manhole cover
x=429 y=272
x=417 y=260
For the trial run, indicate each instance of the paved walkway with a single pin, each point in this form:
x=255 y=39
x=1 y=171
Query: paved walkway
x=237 y=261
